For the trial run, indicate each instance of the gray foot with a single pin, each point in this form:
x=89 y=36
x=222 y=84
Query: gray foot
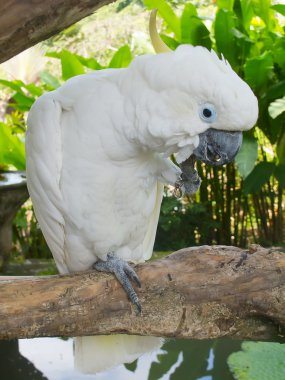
x=123 y=271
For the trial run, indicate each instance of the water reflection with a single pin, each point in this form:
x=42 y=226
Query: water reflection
x=52 y=358
x=14 y=366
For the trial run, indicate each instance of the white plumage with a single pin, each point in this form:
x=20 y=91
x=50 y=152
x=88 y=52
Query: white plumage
x=98 y=147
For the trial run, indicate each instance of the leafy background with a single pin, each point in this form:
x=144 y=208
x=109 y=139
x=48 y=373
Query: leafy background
x=238 y=204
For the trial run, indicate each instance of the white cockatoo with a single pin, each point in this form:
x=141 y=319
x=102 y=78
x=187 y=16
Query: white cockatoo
x=98 y=157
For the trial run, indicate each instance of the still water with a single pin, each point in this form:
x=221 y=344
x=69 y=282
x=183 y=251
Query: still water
x=52 y=359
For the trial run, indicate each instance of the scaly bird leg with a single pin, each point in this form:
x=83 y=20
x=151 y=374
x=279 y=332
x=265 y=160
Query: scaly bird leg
x=123 y=271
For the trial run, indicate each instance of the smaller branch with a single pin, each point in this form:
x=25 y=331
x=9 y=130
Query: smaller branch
x=195 y=293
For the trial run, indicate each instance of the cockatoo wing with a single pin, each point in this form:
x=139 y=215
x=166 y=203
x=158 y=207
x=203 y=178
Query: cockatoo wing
x=44 y=160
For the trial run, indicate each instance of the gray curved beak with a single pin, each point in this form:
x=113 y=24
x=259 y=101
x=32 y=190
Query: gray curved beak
x=218 y=147
x=215 y=148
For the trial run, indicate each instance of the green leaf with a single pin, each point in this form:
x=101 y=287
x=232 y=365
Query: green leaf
x=193 y=30
x=226 y=4
x=275 y=91
x=280 y=174
x=277 y=107
x=225 y=40
x=53 y=54
x=12 y=150
x=247 y=156
x=280 y=8
x=11 y=84
x=70 y=65
x=49 y=79
x=90 y=62
x=262 y=9
x=259 y=70
x=170 y=42
x=247 y=13
x=166 y=12
x=34 y=89
x=258 y=177
x=24 y=102
x=121 y=58
x=258 y=361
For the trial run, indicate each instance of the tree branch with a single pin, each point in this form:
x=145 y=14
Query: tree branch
x=27 y=22
x=194 y=293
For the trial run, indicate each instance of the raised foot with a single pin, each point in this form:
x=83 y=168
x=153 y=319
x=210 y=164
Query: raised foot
x=123 y=271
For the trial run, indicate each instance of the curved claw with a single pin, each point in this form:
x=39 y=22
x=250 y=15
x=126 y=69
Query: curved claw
x=123 y=271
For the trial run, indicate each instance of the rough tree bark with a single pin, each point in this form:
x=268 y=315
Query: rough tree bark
x=198 y=292
x=27 y=22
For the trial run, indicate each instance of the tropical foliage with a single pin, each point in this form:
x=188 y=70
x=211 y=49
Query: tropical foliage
x=246 y=206
x=237 y=204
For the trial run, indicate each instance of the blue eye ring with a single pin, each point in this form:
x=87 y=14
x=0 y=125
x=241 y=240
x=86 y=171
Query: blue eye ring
x=207 y=112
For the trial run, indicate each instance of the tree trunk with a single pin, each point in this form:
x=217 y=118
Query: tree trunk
x=27 y=22
x=200 y=292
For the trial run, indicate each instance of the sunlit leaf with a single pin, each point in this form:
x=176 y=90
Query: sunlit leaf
x=280 y=8
x=70 y=65
x=277 y=107
x=247 y=12
x=247 y=156
x=11 y=84
x=12 y=150
x=90 y=62
x=121 y=58
x=258 y=177
x=34 y=89
x=226 y=4
x=262 y=9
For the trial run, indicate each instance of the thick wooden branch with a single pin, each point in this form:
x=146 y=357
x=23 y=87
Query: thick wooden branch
x=196 y=293
x=27 y=22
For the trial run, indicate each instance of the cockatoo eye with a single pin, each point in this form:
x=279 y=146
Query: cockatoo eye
x=207 y=112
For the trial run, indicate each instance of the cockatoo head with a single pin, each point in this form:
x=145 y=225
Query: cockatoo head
x=189 y=102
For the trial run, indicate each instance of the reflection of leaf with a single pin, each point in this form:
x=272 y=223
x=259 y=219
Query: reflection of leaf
x=165 y=362
x=194 y=365
x=132 y=366
x=258 y=361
